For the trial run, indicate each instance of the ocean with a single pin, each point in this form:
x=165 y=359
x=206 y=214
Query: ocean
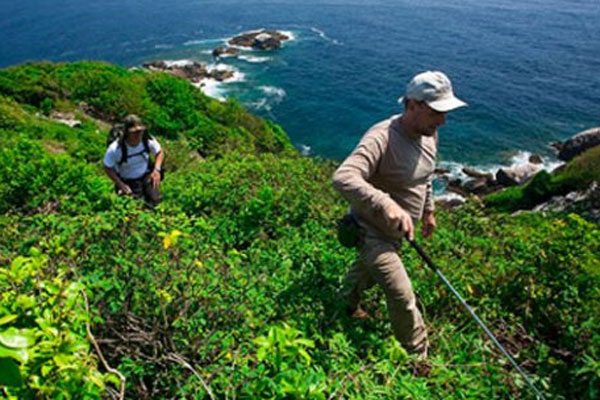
x=528 y=69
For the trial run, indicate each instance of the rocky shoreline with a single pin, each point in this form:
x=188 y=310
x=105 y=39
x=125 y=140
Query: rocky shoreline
x=193 y=71
x=196 y=72
x=479 y=184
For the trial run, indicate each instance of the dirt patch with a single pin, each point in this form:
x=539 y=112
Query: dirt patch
x=55 y=147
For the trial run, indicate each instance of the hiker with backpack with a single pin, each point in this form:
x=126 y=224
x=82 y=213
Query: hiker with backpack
x=127 y=160
x=387 y=180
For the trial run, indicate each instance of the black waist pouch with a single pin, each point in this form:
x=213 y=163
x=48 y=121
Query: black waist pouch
x=349 y=233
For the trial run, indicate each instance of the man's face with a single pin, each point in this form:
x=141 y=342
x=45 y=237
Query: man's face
x=134 y=134
x=427 y=119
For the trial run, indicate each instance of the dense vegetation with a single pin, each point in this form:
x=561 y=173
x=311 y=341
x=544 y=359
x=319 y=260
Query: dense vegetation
x=229 y=289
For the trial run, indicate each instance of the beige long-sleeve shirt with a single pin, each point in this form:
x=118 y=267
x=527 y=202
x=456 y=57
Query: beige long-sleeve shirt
x=388 y=165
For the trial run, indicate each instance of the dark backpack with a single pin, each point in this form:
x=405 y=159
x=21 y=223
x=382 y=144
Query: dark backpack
x=117 y=132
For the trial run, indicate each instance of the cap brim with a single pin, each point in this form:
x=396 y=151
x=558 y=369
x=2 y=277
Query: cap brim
x=446 y=105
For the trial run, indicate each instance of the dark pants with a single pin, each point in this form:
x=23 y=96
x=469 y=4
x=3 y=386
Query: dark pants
x=143 y=187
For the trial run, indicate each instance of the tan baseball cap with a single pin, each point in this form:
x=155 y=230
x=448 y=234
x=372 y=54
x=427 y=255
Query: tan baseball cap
x=435 y=89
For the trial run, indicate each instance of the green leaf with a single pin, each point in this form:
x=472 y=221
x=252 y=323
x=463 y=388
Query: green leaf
x=25 y=302
x=9 y=373
x=17 y=354
x=8 y=318
x=63 y=360
x=17 y=338
x=46 y=369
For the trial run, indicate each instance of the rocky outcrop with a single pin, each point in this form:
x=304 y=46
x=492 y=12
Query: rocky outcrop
x=481 y=183
x=450 y=202
x=192 y=70
x=473 y=173
x=223 y=51
x=260 y=40
x=66 y=118
x=517 y=175
x=577 y=144
x=585 y=203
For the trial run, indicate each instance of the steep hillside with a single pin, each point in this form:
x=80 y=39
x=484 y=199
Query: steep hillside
x=229 y=289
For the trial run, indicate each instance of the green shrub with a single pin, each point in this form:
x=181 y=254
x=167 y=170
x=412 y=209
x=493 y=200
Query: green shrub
x=44 y=350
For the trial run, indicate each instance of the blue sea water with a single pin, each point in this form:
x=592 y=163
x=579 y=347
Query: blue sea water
x=528 y=69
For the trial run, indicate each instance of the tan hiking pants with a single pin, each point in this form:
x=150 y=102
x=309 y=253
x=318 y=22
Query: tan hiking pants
x=379 y=262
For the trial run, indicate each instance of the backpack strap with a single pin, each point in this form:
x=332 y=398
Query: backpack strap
x=145 y=141
x=123 y=148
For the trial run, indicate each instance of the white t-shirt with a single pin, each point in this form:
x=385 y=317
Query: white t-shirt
x=136 y=164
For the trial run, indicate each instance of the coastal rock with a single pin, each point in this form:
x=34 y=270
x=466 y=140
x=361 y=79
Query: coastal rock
x=517 y=175
x=266 y=42
x=477 y=183
x=261 y=40
x=193 y=71
x=536 y=159
x=221 y=74
x=476 y=186
x=473 y=173
x=450 y=202
x=223 y=51
x=456 y=186
x=585 y=203
x=156 y=65
x=577 y=144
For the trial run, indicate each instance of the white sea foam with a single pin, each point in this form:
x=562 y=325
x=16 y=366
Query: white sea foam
x=290 y=34
x=163 y=46
x=304 y=150
x=216 y=89
x=202 y=41
x=237 y=75
x=274 y=95
x=324 y=36
x=260 y=104
x=212 y=88
x=178 y=63
x=273 y=91
x=254 y=59
x=522 y=157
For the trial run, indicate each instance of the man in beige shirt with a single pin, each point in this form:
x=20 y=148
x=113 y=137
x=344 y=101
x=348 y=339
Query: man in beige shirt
x=387 y=180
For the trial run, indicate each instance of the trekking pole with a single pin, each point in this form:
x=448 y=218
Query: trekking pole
x=470 y=310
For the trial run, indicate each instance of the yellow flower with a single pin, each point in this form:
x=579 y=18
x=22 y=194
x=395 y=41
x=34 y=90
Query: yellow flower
x=170 y=239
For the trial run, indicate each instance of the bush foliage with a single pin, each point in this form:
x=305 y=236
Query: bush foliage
x=229 y=289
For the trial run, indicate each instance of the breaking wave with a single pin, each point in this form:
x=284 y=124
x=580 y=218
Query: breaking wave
x=324 y=36
x=254 y=59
